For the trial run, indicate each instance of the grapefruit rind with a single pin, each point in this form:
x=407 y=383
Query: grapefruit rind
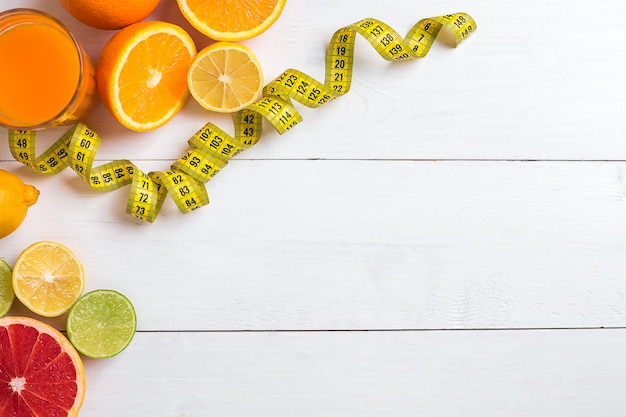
x=28 y=348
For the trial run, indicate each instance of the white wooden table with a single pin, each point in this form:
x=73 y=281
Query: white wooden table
x=447 y=239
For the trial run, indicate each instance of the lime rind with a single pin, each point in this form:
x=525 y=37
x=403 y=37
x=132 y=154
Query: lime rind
x=101 y=324
x=7 y=295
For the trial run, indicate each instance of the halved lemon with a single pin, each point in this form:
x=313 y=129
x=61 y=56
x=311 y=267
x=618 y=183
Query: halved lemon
x=225 y=77
x=48 y=278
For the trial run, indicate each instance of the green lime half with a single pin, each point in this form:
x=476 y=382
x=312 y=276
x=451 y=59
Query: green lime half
x=101 y=323
x=6 y=288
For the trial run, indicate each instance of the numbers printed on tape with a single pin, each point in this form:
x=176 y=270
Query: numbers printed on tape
x=211 y=148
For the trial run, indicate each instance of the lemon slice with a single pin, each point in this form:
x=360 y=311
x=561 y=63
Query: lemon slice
x=225 y=77
x=101 y=324
x=48 y=278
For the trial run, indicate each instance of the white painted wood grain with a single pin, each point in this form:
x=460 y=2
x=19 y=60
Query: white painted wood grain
x=358 y=244
x=363 y=374
x=480 y=187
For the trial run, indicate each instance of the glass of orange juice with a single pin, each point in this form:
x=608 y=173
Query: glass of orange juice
x=46 y=77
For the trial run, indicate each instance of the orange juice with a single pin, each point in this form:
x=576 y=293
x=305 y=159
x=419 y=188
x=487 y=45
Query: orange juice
x=46 y=78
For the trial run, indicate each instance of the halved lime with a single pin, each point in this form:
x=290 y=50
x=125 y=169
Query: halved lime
x=101 y=323
x=6 y=288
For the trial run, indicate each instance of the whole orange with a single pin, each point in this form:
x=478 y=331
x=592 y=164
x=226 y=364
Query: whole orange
x=109 y=14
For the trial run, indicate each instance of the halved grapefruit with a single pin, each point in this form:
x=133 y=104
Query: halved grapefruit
x=41 y=374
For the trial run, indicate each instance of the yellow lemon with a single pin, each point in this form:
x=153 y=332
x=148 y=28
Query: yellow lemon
x=48 y=278
x=225 y=77
x=15 y=199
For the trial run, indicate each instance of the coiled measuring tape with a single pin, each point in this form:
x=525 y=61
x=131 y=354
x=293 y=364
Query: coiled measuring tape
x=211 y=148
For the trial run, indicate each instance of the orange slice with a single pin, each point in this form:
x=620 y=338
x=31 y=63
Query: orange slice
x=48 y=278
x=225 y=77
x=41 y=374
x=141 y=74
x=231 y=20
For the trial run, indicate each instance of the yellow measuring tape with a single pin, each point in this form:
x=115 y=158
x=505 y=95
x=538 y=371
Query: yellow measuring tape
x=211 y=148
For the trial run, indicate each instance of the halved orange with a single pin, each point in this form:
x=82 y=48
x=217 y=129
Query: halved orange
x=231 y=20
x=225 y=77
x=48 y=278
x=142 y=73
x=41 y=374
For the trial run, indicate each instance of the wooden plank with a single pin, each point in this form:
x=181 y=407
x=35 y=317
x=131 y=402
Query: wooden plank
x=363 y=374
x=357 y=244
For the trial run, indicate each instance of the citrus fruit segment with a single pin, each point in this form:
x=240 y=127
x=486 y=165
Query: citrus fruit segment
x=107 y=14
x=141 y=74
x=101 y=324
x=15 y=199
x=48 y=278
x=6 y=288
x=228 y=20
x=41 y=374
x=225 y=77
